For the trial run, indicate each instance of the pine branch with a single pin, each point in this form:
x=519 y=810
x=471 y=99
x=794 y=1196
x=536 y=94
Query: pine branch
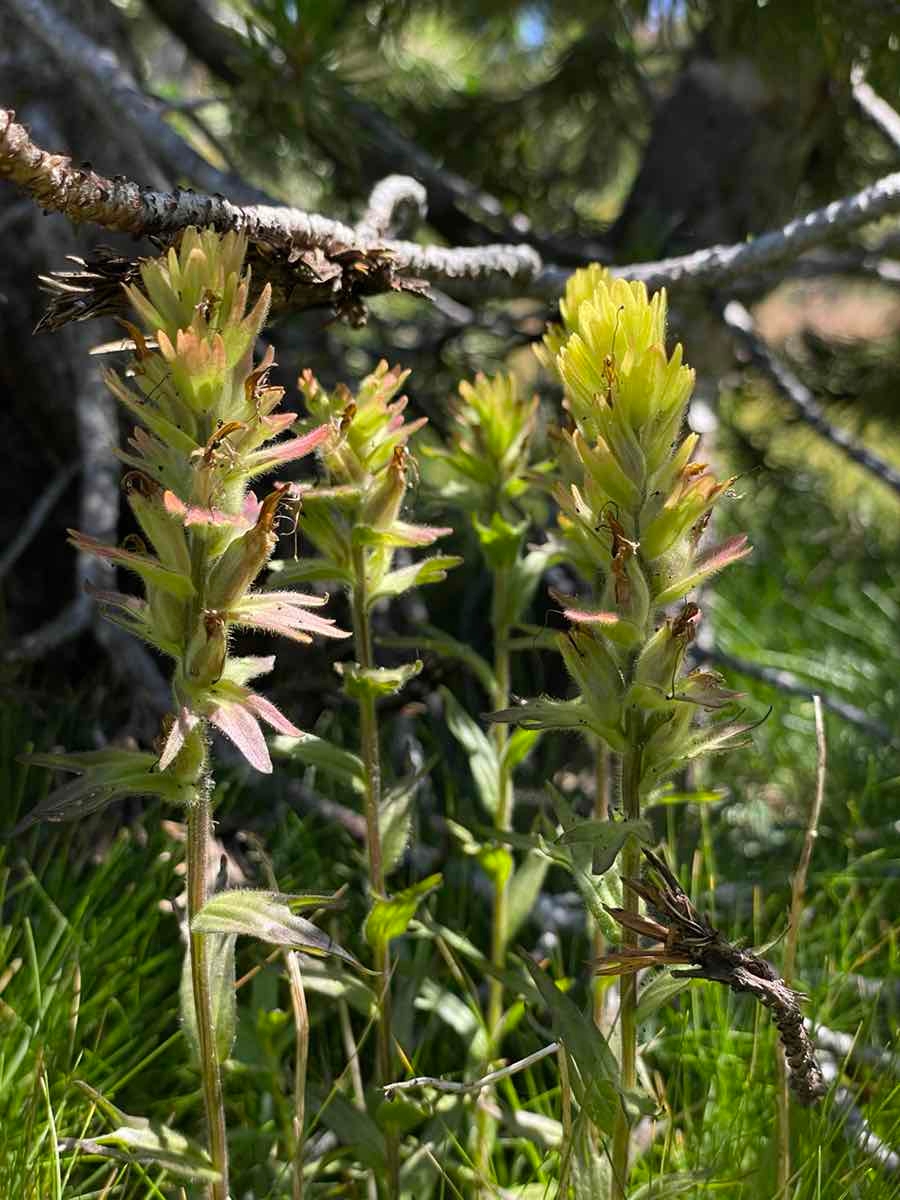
x=742 y=325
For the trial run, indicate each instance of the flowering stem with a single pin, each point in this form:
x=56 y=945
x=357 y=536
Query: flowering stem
x=368 y=719
x=629 y=865
x=602 y=772
x=503 y=815
x=198 y=827
x=301 y=1059
x=502 y=823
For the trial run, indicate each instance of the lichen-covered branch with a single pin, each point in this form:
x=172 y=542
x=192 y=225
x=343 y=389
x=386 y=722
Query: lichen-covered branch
x=741 y=323
x=396 y=204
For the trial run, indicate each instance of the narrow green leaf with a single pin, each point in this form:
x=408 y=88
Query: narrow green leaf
x=389 y=918
x=606 y=838
x=268 y=916
x=518 y=747
x=317 y=752
x=395 y=816
x=220 y=956
x=482 y=753
x=597 y=1068
x=434 y=641
x=360 y=682
x=524 y=889
x=658 y=992
x=417 y=574
x=139 y=1140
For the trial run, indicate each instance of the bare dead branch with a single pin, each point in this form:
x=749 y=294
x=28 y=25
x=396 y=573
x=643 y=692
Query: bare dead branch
x=494 y=270
x=690 y=939
x=396 y=204
x=879 y=112
x=740 y=322
x=856 y=1129
x=791 y=685
x=842 y=1046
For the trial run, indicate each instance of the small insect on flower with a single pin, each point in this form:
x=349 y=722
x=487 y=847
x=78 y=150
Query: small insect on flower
x=609 y=360
x=211 y=452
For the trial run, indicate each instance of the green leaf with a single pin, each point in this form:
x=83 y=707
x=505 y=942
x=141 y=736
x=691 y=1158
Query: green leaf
x=658 y=992
x=389 y=918
x=501 y=542
x=524 y=889
x=482 y=753
x=268 y=916
x=435 y=642
x=357 y=1132
x=308 y=570
x=220 y=958
x=317 y=752
x=418 y=574
x=525 y=576
x=360 y=682
x=678 y=1183
x=671 y=798
x=138 y=1140
x=606 y=838
x=596 y=1087
x=395 y=816
x=518 y=747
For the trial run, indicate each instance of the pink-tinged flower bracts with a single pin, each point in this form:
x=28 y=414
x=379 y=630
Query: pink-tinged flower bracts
x=208 y=429
x=353 y=517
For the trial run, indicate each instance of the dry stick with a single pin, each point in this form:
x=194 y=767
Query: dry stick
x=798 y=891
x=740 y=322
x=83 y=195
x=454 y=1088
x=877 y=110
x=356 y=1081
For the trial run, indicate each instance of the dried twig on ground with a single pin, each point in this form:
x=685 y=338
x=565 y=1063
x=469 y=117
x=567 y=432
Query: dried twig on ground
x=691 y=940
x=742 y=325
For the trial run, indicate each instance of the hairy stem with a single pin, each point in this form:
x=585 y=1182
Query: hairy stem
x=198 y=830
x=630 y=865
x=368 y=720
x=502 y=823
x=602 y=772
x=503 y=815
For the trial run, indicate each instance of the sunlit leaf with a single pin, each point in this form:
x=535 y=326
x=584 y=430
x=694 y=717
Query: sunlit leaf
x=389 y=917
x=268 y=916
